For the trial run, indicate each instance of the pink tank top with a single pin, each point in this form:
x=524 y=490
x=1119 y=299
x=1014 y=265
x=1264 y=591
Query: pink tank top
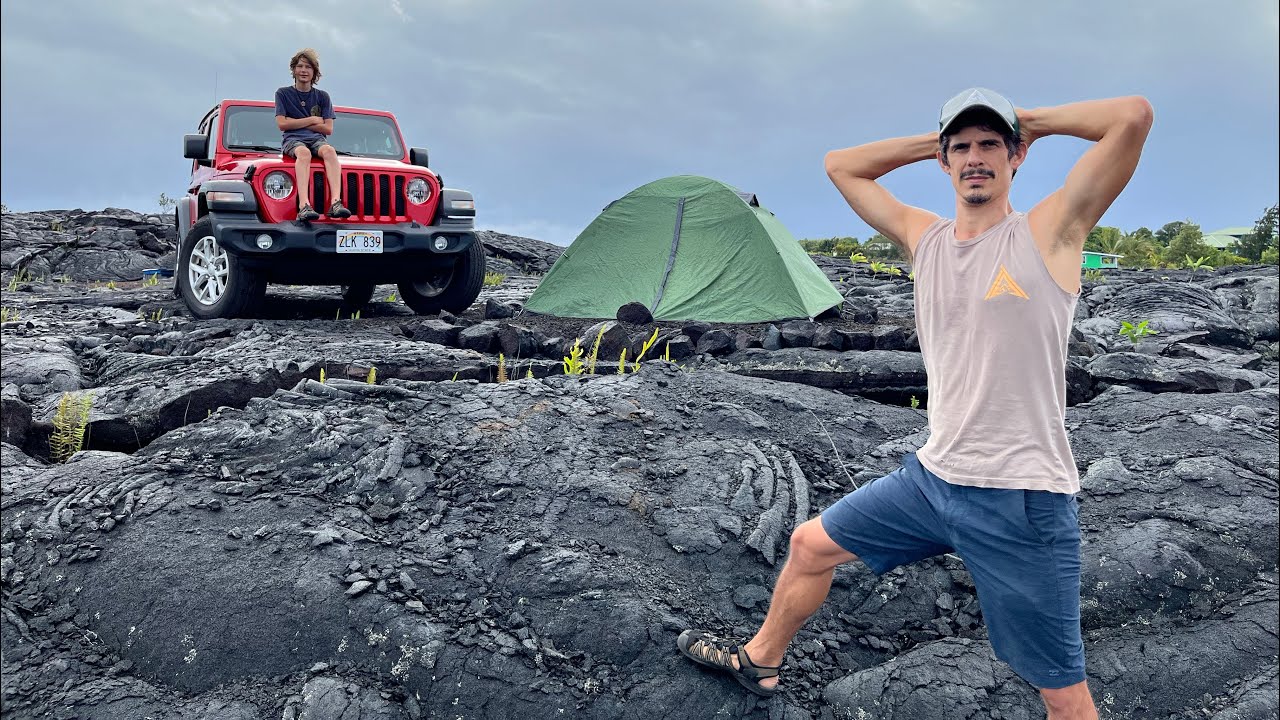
x=993 y=327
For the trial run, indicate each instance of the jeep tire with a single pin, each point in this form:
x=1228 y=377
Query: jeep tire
x=450 y=287
x=357 y=296
x=214 y=285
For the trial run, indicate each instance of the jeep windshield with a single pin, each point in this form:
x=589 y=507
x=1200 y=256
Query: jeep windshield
x=254 y=129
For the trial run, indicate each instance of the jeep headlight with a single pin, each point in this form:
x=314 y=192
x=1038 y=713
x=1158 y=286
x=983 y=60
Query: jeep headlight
x=278 y=185
x=418 y=191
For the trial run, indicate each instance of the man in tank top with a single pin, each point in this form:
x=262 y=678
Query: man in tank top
x=995 y=483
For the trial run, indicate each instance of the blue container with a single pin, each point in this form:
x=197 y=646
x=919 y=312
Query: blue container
x=150 y=273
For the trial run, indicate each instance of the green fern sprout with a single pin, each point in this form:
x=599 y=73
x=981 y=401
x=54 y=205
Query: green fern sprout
x=372 y=376
x=529 y=373
x=666 y=353
x=69 y=424
x=573 y=363
x=502 y=368
x=622 y=362
x=644 y=349
x=595 y=353
x=8 y=315
x=391 y=297
x=322 y=376
x=915 y=403
x=857 y=258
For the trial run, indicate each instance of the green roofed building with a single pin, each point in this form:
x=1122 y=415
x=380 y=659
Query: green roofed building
x=1226 y=238
x=688 y=248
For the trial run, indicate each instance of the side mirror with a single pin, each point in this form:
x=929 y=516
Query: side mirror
x=195 y=147
x=418 y=156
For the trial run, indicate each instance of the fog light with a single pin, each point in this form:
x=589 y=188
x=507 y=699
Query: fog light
x=441 y=243
x=264 y=242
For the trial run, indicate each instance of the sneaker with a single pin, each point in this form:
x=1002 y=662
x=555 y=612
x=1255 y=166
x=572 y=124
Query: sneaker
x=338 y=211
x=307 y=214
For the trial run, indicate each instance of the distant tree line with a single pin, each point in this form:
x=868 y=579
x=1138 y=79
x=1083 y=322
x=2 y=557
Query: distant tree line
x=1177 y=244
x=877 y=247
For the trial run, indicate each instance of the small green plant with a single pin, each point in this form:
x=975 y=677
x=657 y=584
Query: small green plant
x=454 y=378
x=63 y=279
x=857 y=258
x=595 y=353
x=529 y=373
x=573 y=363
x=70 y=421
x=622 y=362
x=502 y=368
x=1094 y=275
x=644 y=348
x=911 y=276
x=166 y=203
x=111 y=284
x=355 y=315
x=337 y=314
x=151 y=280
x=1135 y=333
x=391 y=297
x=155 y=316
x=493 y=278
x=56 y=226
x=915 y=403
x=878 y=267
x=666 y=352
x=322 y=376
x=22 y=276
x=8 y=315
x=1201 y=263
x=371 y=377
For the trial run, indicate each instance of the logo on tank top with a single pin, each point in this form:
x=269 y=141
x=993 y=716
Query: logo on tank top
x=1005 y=285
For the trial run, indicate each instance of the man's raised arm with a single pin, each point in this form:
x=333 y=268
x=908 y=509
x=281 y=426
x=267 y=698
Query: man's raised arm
x=855 y=171
x=1119 y=128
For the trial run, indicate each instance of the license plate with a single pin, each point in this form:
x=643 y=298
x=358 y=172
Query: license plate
x=359 y=241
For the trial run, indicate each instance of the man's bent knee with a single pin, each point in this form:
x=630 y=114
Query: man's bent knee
x=1072 y=701
x=302 y=154
x=326 y=152
x=813 y=550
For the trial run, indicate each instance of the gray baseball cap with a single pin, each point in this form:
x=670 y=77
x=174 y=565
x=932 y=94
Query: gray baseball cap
x=978 y=98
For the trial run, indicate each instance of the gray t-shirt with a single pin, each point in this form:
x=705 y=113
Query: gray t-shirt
x=294 y=104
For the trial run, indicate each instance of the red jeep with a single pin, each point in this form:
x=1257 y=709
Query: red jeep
x=240 y=229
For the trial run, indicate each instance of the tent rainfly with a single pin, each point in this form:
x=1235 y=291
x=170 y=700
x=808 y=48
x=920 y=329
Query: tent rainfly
x=688 y=248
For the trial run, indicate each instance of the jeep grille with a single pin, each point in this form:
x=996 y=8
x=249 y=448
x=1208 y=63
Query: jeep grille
x=370 y=196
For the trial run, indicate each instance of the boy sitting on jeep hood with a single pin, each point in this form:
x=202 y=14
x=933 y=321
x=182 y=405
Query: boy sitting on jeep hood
x=305 y=115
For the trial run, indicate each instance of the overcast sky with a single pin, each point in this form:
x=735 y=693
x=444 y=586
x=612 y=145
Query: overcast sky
x=547 y=111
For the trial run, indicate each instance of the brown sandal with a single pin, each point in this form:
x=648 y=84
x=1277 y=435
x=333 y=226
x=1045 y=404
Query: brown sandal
x=715 y=652
x=338 y=211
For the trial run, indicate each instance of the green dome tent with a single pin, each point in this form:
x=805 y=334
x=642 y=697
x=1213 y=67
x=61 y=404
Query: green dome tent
x=689 y=248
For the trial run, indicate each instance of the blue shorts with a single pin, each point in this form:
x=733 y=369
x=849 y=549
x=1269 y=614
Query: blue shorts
x=1022 y=548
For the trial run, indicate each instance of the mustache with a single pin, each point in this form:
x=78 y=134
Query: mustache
x=971 y=173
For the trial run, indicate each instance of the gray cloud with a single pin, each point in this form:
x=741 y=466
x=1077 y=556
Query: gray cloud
x=547 y=111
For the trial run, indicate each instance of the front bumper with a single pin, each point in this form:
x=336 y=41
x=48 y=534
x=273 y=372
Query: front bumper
x=306 y=253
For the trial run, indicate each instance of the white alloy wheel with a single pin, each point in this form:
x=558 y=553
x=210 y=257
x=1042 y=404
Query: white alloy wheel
x=207 y=270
